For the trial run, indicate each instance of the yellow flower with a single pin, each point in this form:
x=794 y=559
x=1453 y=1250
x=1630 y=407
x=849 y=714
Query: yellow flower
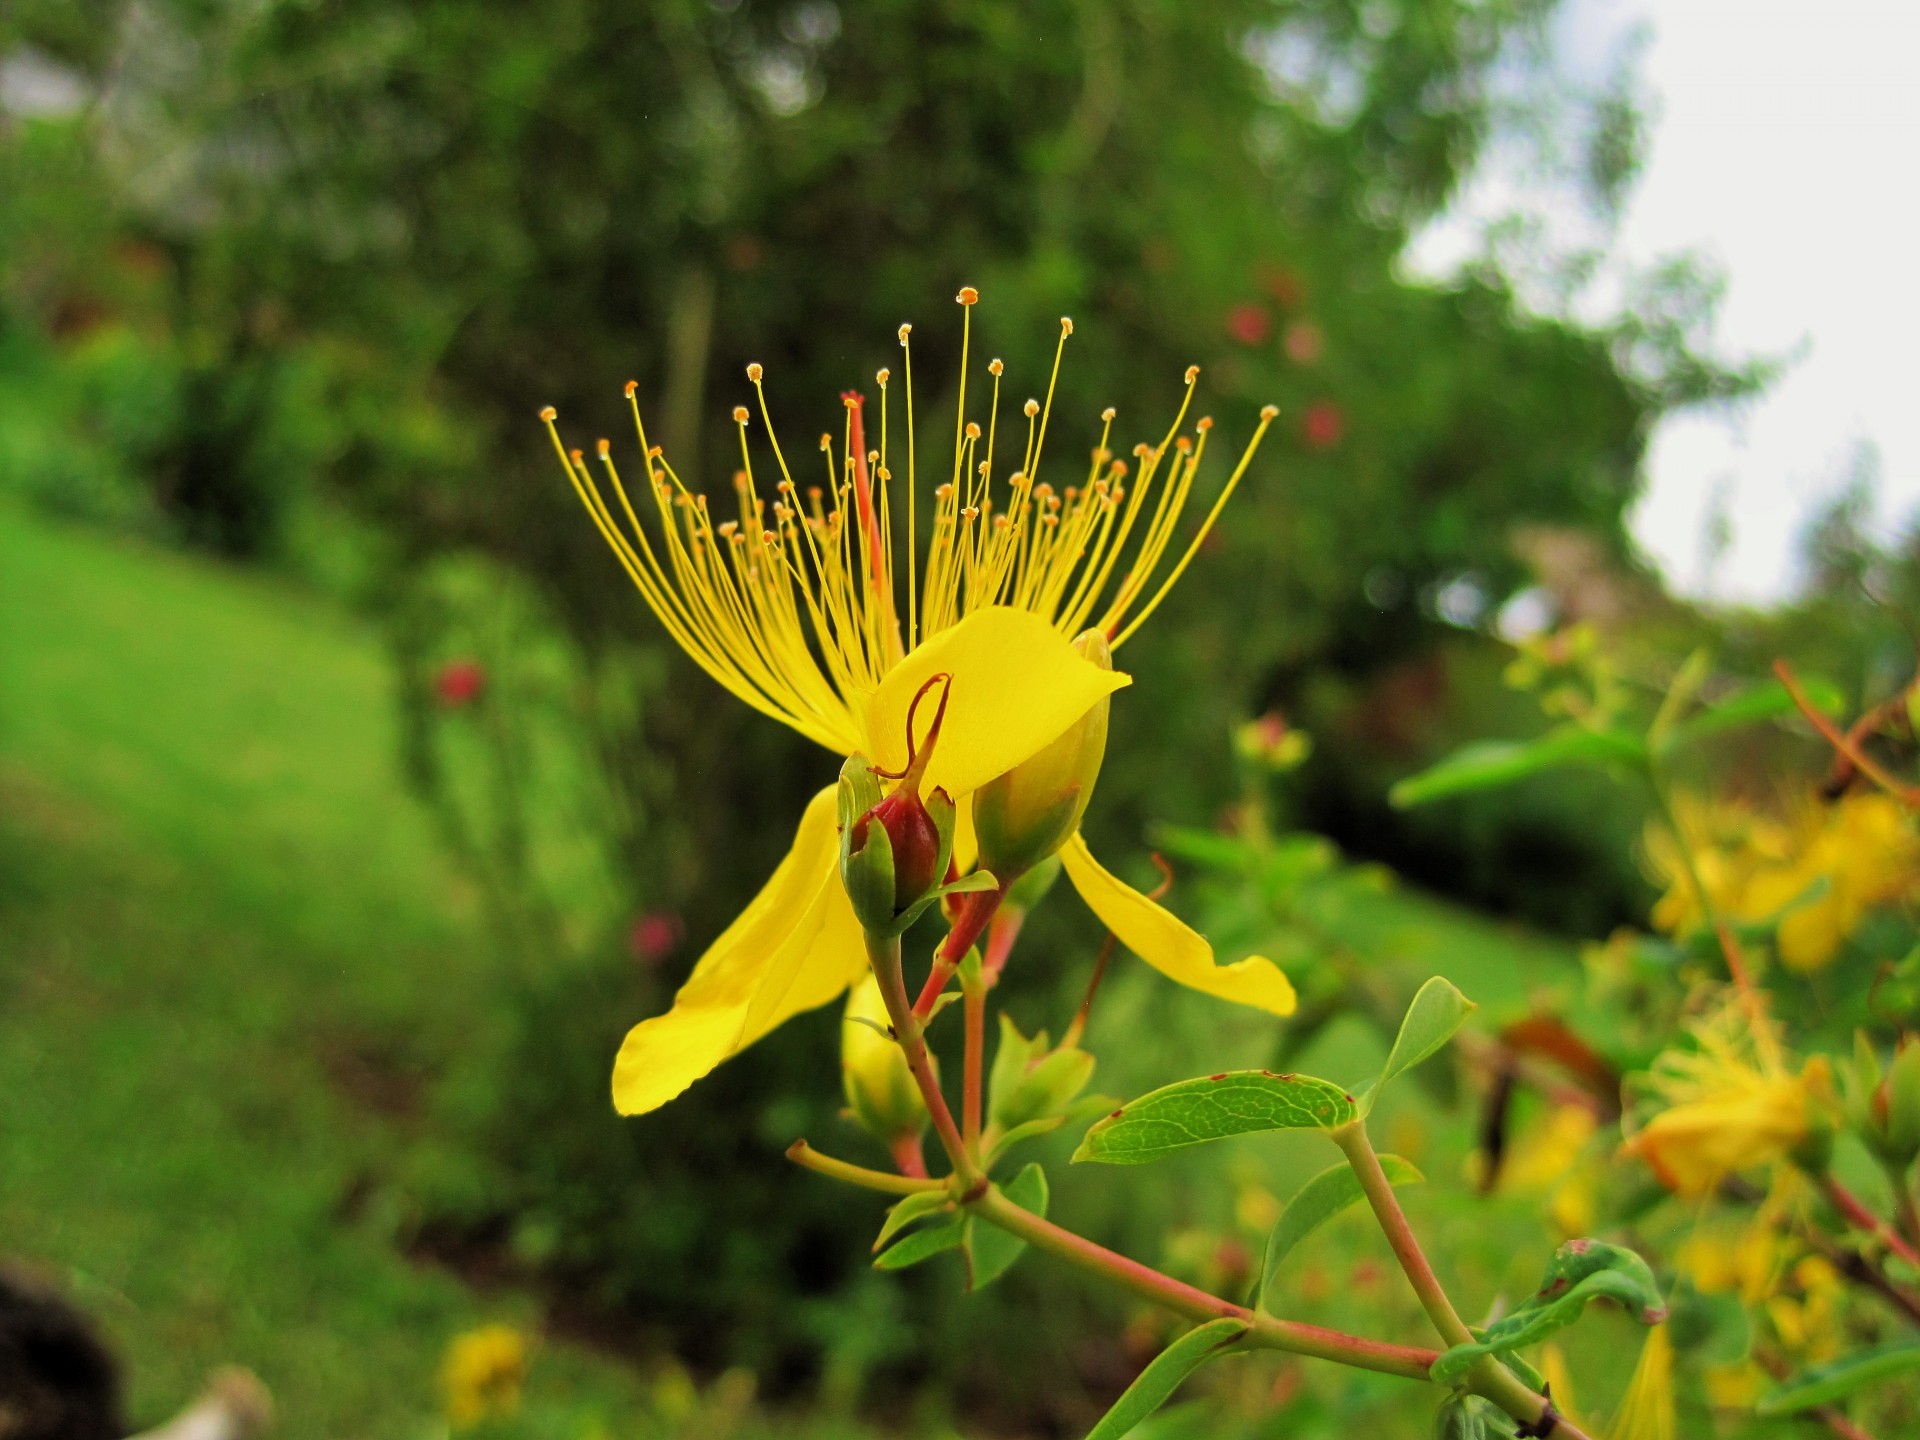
x=1815 y=878
x=1748 y=1263
x=795 y=607
x=1728 y=1105
x=1646 y=1413
x=1808 y=1325
x=483 y=1373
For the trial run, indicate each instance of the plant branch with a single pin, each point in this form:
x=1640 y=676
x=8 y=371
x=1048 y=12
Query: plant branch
x=808 y=1158
x=1265 y=1331
x=1861 y=1218
x=974 y=998
x=884 y=954
x=1844 y=744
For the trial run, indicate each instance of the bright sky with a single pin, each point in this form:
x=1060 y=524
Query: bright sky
x=1783 y=146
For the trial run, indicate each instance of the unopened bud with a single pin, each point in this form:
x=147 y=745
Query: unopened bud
x=894 y=848
x=880 y=1090
x=1028 y=813
x=1031 y=1081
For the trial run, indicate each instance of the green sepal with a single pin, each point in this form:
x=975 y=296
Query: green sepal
x=923 y=1245
x=965 y=885
x=920 y=1205
x=867 y=873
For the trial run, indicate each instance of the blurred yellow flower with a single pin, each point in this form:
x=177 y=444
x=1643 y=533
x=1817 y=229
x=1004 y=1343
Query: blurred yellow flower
x=1816 y=876
x=1727 y=1105
x=482 y=1374
x=1735 y=1386
x=1747 y=1262
x=1646 y=1413
x=1809 y=1325
x=796 y=608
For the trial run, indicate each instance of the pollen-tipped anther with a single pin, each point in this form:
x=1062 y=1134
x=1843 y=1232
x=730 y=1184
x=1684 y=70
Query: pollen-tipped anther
x=1193 y=373
x=739 y=414
x=754 y=372
x=967 y=296
x=1030 y=409
x=905 y=330
x=881 y=376
x=995 y=367
x=1066 y=324
x=549 y=414
x=1269 y=412
x=631 y=386
x=1106 y=415
x=1204 y=423
x=603 y=447
x=973 y=430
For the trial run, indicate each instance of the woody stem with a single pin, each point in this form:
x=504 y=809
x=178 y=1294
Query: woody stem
x=884 y=955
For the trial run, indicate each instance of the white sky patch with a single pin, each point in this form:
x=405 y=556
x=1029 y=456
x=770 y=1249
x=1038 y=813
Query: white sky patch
x=1783 y=149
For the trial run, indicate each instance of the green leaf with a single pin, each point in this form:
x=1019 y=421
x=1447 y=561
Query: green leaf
x=1236 y=1102
x=1169 y=1368
x=1489 y=763
x=1840 y=1378
x=1468 y=1417
x=990 y=1250
x=1580 y=1272
x=1317 y=1202
x=915 y=1207
x=923 y=1245
x=1437 y=1012
x=1764 y=701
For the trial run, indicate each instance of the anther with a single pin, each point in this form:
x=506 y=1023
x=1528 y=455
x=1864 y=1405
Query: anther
x=632 y=385
x=994 y=368
x=942 y=492
x=1030 y=409
x=727 y=527
x=826 y=441
x=968 y=295
x=813 y=492
x=1193 y=373
x=739 y=414
x=972 y=512
x=604 y=447
x=1066 y=324
x=1119 y=471
x=880 y=377
x=740 y=481
x=905 y=330
x=1042 y=490
x=983 y=467
x=1143 y=450
x=1183 y=444
x=1107 y=414
x=578 y=455
x=754 y=372
x=654 y=453
x=973 y=430
x=1203 y=424
x=1268 y=412
x=549 y=414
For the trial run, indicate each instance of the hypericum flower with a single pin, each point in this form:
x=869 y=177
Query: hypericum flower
x=483 y=1373
x=1814 y=877
x=1728 y=1105
x=795 y=606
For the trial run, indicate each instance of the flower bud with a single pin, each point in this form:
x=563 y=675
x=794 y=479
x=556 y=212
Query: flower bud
x=1028 y=813
x=894 y=849
x=880 y=1091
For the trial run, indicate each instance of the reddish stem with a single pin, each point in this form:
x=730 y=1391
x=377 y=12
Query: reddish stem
x=1861 y=1218
x=976 y=913
x=1182 y=1298
x=1844 y=744
x=908 y=1157
x=1001 y=934
x=975 y=1002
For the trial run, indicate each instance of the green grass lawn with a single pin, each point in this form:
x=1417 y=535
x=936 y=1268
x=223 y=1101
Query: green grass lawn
x=229 y=951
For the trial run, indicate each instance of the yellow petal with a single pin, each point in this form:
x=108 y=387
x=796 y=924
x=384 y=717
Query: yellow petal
x=794 y=947
x=1169 y=945
x=1017 y=683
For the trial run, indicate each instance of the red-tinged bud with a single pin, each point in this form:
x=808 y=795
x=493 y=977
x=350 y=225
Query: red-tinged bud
x=894 y=850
